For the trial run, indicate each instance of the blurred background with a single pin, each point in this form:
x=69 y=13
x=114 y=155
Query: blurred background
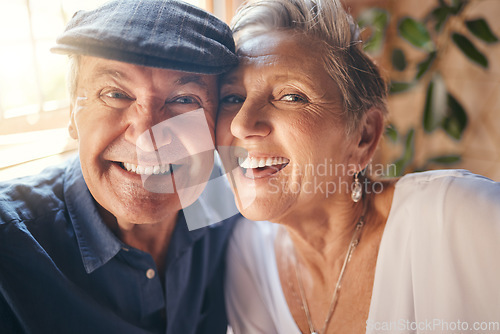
x=441 y=57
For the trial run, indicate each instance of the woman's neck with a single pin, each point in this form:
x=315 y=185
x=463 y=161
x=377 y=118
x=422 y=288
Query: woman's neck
x=314 y=250
x=321 y=234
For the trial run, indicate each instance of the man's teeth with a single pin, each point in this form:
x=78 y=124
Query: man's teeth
x=147 y=170
x=251 y=162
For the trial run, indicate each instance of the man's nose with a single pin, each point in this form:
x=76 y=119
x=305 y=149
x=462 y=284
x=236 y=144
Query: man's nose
x=147 y=128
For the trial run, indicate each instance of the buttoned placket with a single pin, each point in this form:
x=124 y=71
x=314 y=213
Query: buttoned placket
x=152 y=295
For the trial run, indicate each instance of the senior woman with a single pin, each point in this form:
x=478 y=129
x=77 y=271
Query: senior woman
x=299 y=121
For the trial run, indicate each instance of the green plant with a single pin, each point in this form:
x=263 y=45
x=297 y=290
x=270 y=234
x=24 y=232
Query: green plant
x=430 y=36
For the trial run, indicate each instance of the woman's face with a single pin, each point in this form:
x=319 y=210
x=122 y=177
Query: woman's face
x=280 y=128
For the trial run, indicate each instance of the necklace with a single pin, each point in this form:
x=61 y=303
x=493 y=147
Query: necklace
x=333 y=303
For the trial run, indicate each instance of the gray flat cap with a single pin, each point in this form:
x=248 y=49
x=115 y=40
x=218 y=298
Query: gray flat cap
x=158 y=33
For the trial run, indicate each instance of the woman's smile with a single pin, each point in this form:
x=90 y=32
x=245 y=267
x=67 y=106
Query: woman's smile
x=261 y=167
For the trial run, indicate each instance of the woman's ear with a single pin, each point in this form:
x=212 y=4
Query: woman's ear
x=370 y=130
x=73 y=133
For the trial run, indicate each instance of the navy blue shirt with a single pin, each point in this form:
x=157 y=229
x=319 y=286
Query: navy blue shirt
x=63 y=271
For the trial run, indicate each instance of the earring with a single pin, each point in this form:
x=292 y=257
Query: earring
x=356 y=189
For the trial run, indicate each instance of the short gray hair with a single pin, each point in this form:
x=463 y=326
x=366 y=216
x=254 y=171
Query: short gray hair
x=72 y=75
x=355 y=74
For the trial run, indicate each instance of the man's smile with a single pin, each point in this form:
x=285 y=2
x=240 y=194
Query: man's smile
x=163 y=169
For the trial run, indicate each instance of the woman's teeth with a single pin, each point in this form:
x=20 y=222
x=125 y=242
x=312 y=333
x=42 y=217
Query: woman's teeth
x=147 y=170
x=251 y=162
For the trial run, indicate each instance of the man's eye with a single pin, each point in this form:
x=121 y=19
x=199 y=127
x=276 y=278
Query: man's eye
x=183 y=104
x=116 y=95
x=233 y=99
x=185 y=100
x=116 y=98
x=293 y=98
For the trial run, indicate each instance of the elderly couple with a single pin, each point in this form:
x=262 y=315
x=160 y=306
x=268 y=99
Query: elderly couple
x=102 y=244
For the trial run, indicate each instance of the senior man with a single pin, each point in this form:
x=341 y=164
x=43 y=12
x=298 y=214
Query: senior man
x=100 y=244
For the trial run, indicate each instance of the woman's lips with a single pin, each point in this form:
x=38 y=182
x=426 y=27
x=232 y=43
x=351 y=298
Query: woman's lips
x=257 y=168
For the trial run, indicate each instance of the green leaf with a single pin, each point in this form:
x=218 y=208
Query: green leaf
x=398 y=59
x=456 y=119
x=440 y=15
x=481 y=30
x=435 y=104
x=399 y=86
x=375 y=43
x=457 y=6
x=415 y=33
x=376 y=19
x=407 y=156
x=392 y=133
x=409 y=146
x=428 y=120
x=470 y=50
x=398 y=170
x=446 y=159
x=424 y=66
x=373 y=16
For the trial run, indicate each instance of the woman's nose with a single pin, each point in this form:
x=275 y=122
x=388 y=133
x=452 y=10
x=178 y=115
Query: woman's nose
x=251 y=121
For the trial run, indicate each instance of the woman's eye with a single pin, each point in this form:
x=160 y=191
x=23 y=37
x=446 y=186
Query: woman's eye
x=293 y=98
x=233 y=99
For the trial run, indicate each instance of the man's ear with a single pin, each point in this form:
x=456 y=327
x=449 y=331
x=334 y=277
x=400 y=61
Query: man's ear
x=73 y=133
x=370 y=132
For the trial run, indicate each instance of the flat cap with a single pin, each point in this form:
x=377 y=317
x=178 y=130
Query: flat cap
x=167 y=34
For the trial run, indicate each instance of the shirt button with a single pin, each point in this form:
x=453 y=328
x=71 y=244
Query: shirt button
x=150 y=273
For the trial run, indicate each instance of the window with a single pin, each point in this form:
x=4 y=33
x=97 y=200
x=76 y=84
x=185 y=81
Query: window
x=34 y=104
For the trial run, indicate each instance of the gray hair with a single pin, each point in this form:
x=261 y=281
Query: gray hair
x=72 y=75
x=355 y=74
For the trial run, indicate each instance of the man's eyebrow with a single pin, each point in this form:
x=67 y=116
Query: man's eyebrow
x=193 y=78
x=196 y=79
x=229 y=80
x=103 y=71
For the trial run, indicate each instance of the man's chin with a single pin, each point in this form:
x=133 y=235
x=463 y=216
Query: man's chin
x=149 y=215
x=158 y=184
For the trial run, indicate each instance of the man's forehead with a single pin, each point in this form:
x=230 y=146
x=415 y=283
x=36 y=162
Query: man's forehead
x=100 y=67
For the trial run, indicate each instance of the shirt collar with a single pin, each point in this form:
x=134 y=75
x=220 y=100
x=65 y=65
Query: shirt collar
x=96 y=242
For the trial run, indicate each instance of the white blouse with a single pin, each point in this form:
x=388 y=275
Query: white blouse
x=437 y=271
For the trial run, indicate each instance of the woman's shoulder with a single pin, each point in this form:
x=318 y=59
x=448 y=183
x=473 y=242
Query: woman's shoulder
x=450 y=186
x=454 y=204
x=439 y=241
x=447 y=203
x=435 y=178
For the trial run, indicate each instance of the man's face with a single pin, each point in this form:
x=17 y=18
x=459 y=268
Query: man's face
x=145 y=137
